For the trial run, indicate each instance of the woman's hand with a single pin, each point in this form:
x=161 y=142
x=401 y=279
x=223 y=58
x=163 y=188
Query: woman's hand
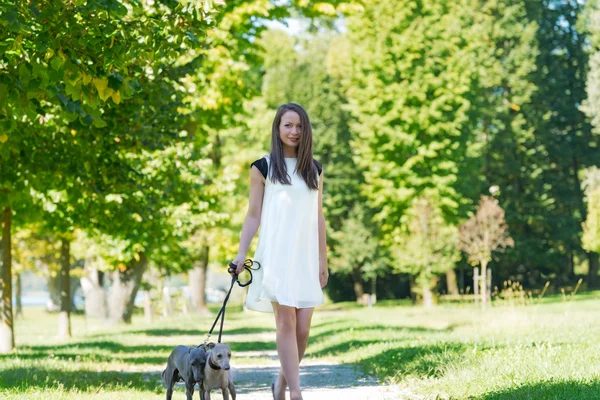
x=323 y=275
x=239 y=262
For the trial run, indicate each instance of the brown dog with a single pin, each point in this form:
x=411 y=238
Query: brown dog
x=216 y=372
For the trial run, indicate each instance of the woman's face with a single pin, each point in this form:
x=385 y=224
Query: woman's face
x=290 y=130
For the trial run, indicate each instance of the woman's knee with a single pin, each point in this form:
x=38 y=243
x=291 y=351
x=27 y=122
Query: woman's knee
x=302 y=332
x=285 y=321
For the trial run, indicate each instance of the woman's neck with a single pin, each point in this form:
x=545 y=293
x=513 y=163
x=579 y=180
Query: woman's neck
x=289 y=152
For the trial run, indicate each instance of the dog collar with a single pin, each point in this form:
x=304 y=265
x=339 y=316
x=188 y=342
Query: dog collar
x=212 y=365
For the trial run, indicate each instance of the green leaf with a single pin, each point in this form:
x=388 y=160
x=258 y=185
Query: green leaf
x=24 y=73
x=86 y=120
x=55 y=76
x=3 y=93
x=74 y=91
x=33 y=85
x=99 y=122
x=63 y=99
x=56 y=63
x=115 y=82
x=75 y=107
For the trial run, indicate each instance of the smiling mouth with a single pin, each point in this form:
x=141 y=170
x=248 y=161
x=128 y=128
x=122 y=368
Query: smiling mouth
x=294 y=139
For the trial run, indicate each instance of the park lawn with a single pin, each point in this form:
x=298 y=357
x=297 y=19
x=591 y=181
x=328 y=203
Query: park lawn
x=545 y=351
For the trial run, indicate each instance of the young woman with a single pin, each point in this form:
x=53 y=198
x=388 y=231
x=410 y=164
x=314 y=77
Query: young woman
x=286 y=189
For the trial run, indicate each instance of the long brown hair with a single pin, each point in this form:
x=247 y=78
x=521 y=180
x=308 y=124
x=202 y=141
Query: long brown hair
x=305 y=166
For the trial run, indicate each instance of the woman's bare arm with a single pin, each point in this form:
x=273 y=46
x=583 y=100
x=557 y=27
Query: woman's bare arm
x=252 y=220
x=323 y=270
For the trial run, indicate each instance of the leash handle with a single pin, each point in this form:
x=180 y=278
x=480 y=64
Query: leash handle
x=248 y=266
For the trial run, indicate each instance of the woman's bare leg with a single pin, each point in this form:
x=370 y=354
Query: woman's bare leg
x=303 y=320
x=287 y=349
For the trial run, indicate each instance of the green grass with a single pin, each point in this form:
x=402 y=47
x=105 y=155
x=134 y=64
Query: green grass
x=549 y=350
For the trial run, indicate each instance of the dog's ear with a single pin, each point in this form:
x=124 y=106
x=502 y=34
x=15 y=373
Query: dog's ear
x=211 y=345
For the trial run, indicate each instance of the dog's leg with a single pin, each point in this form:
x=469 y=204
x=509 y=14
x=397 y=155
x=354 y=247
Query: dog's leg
x=232 y=389
x=225 y=393
x=189 y=390
x=169 y=390
x=170 y=378
x=207 y=395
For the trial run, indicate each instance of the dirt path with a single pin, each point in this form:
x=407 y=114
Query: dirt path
x=320 y=381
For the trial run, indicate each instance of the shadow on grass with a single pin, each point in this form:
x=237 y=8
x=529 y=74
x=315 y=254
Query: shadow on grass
x=82 y=357
x=81 y=380
x=197 y=332
x=107 y=351
x=419 y=361
x=343 y=347
x=326 y=330
x=550 y=390
x=398 y=361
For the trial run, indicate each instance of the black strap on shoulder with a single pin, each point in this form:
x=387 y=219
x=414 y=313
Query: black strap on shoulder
x=319 y=167
x=262 y=166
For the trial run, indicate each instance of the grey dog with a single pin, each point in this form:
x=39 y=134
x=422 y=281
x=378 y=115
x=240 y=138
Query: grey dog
x=187 y=364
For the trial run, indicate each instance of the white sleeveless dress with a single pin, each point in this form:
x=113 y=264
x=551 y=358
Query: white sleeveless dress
x=288 y=246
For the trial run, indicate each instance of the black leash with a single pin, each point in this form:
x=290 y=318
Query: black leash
x=248 y=266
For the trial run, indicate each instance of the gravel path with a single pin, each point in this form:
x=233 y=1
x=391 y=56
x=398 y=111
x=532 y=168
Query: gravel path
x=320 y=381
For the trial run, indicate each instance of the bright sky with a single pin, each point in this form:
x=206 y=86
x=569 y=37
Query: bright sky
x=294 y=27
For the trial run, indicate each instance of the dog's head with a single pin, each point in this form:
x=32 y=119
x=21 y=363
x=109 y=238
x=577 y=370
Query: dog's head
x=219 y=356
x=197 y=360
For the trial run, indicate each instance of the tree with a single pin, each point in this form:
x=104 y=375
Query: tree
x=591 y=25
x=69 y=62
x=484 y=233
x=357 y=254
x=412 y=89
x=591 y=107
x=76 y=72
x=564 y=142
x=7 y=342
x=591 y=227
x=426 y=246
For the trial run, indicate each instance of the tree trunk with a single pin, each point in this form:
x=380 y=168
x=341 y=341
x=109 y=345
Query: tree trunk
x=483 y=284
x=373 y=295
x=64 y=316
x=451 y=284
x=54 y=292
x=167 y=301
x=593 y=270
x=411 y=288
x=7 y=336
x=19 y=297
x=148 y=312
x=197 y=283
x=95 y=295
x=427 y=293
x=125 y=285
x=571 y=272
x=359 y=289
